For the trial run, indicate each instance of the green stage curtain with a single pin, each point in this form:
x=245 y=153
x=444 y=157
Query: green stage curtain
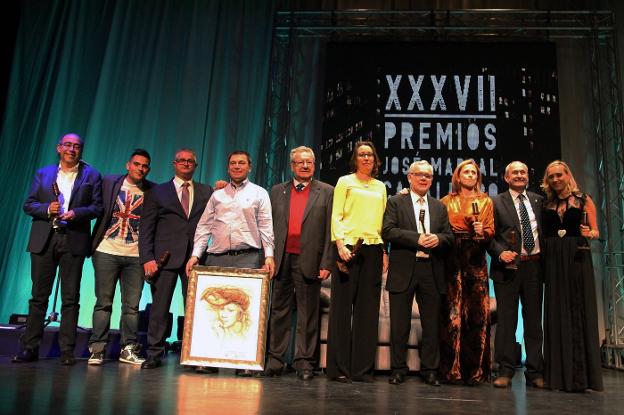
x=123 y=74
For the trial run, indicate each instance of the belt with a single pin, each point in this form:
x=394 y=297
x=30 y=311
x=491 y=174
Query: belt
x=59 y=229
x=236 y=252
x=532 y=258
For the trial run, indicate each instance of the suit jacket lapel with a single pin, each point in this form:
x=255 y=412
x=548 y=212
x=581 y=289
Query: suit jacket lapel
x=537 y=210
x=172 y=195
x=314 y=194
x=433 y=216
x=408 y=206
x=511 y=210
x=77 y=182
x=198 y=194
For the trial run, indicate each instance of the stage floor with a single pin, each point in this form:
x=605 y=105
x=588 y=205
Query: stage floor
x=46 y=387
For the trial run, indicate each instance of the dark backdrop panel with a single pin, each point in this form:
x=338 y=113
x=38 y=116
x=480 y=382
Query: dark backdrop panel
x=444 y=103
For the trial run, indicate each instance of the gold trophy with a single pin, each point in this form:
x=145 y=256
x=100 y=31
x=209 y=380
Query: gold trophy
x=512 y=239
x=475 y=214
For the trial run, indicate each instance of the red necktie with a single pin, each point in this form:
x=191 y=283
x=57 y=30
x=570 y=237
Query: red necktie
x=186 y=197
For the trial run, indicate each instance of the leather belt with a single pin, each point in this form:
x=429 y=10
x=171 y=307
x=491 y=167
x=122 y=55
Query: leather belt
x=59 y=229
x=532 y=258
x=236 y=252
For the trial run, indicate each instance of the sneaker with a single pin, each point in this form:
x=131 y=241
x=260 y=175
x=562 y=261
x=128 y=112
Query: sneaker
x=96 y=359
x=129 y=355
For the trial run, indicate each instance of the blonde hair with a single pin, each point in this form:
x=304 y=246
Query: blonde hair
x=456 y=184
x=571 y=187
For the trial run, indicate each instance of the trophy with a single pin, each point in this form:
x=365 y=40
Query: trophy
x=512 y=240
x=56 y=222
x=584 y=245
x=475 y=214
x=161 y=262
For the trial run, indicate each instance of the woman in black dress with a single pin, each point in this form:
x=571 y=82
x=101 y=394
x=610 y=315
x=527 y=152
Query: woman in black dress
x=571 y=343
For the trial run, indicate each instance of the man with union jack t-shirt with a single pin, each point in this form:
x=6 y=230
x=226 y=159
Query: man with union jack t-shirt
x=116 y=257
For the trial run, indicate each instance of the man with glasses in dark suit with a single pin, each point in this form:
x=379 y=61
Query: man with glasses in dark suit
x=62 y=201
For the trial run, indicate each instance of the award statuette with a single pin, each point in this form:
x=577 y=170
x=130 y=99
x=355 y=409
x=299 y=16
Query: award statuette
x=512 y=239
x=475 y=214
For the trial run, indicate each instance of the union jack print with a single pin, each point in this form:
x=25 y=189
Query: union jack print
x=124 y=223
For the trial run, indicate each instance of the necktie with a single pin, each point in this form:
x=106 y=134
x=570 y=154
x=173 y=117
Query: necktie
x=527 y=233
x=300 y=187
x=421 y=215
x=186 y=197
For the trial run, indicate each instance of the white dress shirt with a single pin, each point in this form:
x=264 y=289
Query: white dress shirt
x=177 y=182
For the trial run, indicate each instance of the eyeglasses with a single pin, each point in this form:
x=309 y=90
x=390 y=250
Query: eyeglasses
x=422 y=175
x=69 y=146
x=303 y=163
x=364 y=155
x=190 y=162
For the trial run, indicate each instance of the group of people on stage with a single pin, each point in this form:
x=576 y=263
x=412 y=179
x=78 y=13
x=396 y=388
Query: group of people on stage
x=304 y=231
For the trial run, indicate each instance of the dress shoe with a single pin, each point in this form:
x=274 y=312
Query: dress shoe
x=537 y=383
x=26 y=355
x=208 y=370
x=502 y=382
x=269 y=373
x=396 y=378
x=151 y=363
x=431 y=378
x=342 y=379
x=305 y=374
x=244 y=373
x=67 y=359
x=364 y=378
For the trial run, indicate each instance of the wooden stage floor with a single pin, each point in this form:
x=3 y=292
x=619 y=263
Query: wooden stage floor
x=46 y=387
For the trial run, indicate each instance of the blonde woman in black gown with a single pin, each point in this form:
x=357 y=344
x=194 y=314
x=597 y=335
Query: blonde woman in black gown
x=571 y=343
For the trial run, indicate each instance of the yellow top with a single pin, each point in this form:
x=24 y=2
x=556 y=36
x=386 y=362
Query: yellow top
x=358 y=210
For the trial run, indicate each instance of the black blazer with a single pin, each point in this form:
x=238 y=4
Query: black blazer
x=85 y=201
x=400 y=230
x=317 y=251
x=110 y=188
x=165 y=227
x=506 y=219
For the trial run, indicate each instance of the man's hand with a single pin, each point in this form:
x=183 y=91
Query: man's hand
x=54 y=208
x=428 y=240
x=508 y=256
x=150 y=268
x=324 y=274
x=269 y=265
x=67 y=216
x=220 y=184
x=190 y=264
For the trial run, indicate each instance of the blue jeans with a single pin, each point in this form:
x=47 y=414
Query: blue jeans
x=108 y=269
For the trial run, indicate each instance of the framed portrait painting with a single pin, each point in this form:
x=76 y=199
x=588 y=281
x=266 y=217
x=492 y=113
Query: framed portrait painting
x=226 y=318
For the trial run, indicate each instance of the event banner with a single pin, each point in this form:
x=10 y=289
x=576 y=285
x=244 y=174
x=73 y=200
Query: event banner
x=444 y=103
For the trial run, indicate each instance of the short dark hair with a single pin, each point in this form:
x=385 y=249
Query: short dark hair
x=353 y=161
x=141 y=152
x=237 y=152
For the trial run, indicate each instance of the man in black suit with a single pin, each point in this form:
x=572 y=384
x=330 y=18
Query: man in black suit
x=417 y=228
x=172 y=210
x=304 y=256
x=59 y=238
x=516 y=244
x=116 y=257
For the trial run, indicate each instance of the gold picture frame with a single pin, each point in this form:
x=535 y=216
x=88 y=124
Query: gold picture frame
x=226 y=318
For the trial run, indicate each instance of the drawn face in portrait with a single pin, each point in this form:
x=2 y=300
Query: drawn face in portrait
x=230 y=306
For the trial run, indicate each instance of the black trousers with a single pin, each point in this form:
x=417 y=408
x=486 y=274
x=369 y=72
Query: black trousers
x=162 y=293
x=290 y=287
x=527 y=286
x=422 y=284
x=354 y=316
x=43 y=271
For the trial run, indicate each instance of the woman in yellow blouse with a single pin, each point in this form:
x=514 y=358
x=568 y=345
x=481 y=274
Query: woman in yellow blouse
x=465 y=345
x=359 y=204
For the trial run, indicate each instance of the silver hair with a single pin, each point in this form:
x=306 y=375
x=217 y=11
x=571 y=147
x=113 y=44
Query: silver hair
x=301 y=149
